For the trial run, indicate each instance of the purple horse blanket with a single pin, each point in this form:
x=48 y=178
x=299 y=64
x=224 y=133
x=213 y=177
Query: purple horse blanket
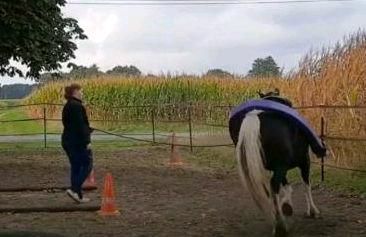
x=238 y=113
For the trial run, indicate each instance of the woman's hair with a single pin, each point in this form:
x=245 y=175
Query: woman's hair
x=69 y=90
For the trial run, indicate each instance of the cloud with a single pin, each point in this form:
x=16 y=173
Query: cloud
x=193 y=39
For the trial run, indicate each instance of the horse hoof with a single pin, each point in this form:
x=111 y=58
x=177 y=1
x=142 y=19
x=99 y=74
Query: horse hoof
x=287 y=209
x=313 y=215
x=280 y=231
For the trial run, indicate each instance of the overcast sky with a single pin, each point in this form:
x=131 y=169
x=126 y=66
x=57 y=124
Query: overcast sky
x=193 y=39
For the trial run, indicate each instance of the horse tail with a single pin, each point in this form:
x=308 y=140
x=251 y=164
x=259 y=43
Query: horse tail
x=250 y=156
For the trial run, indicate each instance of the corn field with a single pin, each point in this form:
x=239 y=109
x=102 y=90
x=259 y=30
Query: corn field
x=126 y=98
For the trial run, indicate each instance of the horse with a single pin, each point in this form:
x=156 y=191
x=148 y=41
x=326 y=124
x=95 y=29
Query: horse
x=268 y=144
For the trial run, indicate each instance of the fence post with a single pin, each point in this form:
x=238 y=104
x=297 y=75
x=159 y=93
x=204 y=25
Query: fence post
x=45 y=127
x=153 y=122
x=210 y=114
x=322 y=134
x=190 y=125
x=230 y=108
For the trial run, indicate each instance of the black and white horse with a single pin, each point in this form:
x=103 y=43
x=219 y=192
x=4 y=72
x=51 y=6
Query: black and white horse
x=268 y=146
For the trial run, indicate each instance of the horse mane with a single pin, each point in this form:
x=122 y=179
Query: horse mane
x=275 y=96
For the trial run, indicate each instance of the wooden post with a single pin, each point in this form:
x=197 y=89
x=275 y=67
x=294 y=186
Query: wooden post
x=190 y=126
x=44 y=127
x=322 y=127
x=153 y=123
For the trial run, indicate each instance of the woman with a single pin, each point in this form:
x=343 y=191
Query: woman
x=76 y=141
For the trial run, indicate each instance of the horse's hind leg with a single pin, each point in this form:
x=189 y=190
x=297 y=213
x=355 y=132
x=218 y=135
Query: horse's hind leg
x=280 y=225
x=286 y=201
x=312 y=210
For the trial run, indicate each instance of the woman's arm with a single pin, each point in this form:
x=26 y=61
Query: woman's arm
x=81 y=123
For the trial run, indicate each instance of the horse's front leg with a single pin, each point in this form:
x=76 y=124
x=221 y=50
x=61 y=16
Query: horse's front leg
x=280 y=229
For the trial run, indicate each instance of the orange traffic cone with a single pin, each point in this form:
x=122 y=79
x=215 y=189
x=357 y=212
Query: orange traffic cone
x=175 y=159
x=90 y=182
x=108 y=207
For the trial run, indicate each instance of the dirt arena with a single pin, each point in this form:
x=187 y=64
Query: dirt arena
x=155 y=200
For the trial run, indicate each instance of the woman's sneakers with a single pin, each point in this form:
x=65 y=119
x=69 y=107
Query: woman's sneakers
x=74 y=196
x=84 y=200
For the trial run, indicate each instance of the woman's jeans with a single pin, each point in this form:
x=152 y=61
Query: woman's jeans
x=81 y=161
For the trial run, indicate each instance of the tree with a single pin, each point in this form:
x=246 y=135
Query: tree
x=35 y=34
x=125 y=71
x=76 y=72
x=264 y=67
x=16 y=91
x=48 y=77
x=79 y=72
x=218 y=73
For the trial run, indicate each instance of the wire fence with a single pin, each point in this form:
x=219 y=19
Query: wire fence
x=196 y=121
